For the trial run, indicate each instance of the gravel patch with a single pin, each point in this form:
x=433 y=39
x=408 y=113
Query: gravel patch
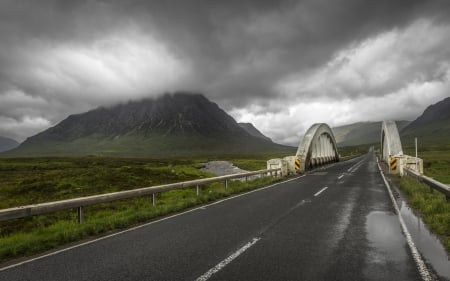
x=222 y=168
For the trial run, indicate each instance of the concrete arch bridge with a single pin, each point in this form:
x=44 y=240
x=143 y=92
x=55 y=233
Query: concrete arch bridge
x=318 y=147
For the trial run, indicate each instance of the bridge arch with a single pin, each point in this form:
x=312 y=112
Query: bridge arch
x=317 y=148
x=391 y=144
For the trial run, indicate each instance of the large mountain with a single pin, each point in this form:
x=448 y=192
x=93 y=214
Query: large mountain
x=432 y=127
x=7 y=144
x=249 y=128
x=361 y=133
x=180 y=124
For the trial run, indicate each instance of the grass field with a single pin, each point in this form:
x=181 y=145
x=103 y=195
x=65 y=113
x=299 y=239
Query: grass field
x=38 y=180
x=436 y=160
x=432 y=204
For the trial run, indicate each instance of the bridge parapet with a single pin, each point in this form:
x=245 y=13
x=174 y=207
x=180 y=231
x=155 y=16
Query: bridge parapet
x=280 y=164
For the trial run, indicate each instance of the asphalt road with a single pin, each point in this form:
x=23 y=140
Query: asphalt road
x=337 y=223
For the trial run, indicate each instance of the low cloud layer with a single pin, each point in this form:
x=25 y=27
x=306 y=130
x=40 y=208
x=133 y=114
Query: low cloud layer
x=282 y=65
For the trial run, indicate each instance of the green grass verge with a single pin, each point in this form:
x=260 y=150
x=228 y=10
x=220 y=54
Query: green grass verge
x=436 y=160
x=37 y=180
x=432 y=204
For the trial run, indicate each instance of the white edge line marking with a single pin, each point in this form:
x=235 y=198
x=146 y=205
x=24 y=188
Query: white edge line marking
x=340 y=177
x=320 y=191
x=226 y=261
x=423 y=270
x=144 y=225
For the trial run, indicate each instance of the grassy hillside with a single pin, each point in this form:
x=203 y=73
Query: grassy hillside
x=361 y=133
x=435 y=134
x=156 y=146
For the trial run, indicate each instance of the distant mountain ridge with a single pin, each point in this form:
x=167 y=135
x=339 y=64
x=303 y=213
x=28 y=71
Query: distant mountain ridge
x=7 y=144
x=361 y=133
x=435 y=113
x=171 y=125
x=432 y=127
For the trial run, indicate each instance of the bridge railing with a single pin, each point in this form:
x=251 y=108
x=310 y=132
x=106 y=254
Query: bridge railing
x=79 y=203
x=432 y=183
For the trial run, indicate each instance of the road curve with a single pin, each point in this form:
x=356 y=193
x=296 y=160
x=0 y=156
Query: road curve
x=337 y=223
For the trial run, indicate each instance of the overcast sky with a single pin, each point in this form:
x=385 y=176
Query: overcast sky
x=281 y=65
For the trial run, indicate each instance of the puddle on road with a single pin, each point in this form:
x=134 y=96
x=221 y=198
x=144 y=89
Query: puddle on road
x=388 y=248
x=386 y=238
x=427 y=243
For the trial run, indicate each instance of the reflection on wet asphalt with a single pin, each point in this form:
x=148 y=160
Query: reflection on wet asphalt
x=428 y=244
x=387 y=245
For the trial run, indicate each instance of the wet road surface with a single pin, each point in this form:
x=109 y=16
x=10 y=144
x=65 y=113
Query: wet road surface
x=337 y=223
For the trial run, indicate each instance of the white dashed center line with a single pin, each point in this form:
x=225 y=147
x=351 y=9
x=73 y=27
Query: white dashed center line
x=226 y=261
x=320 y=191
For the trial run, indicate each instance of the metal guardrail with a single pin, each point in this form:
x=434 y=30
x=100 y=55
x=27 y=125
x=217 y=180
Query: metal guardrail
x=430 y=182
x=79 y=203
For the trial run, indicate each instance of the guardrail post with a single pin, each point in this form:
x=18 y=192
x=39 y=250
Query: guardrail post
x=226 y=184
x=153 y=199
x=246 y=178
x=80 y=214
x=197 y=189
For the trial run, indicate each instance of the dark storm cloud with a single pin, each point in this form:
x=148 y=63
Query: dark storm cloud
x=63 y=57
x=240 y=49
